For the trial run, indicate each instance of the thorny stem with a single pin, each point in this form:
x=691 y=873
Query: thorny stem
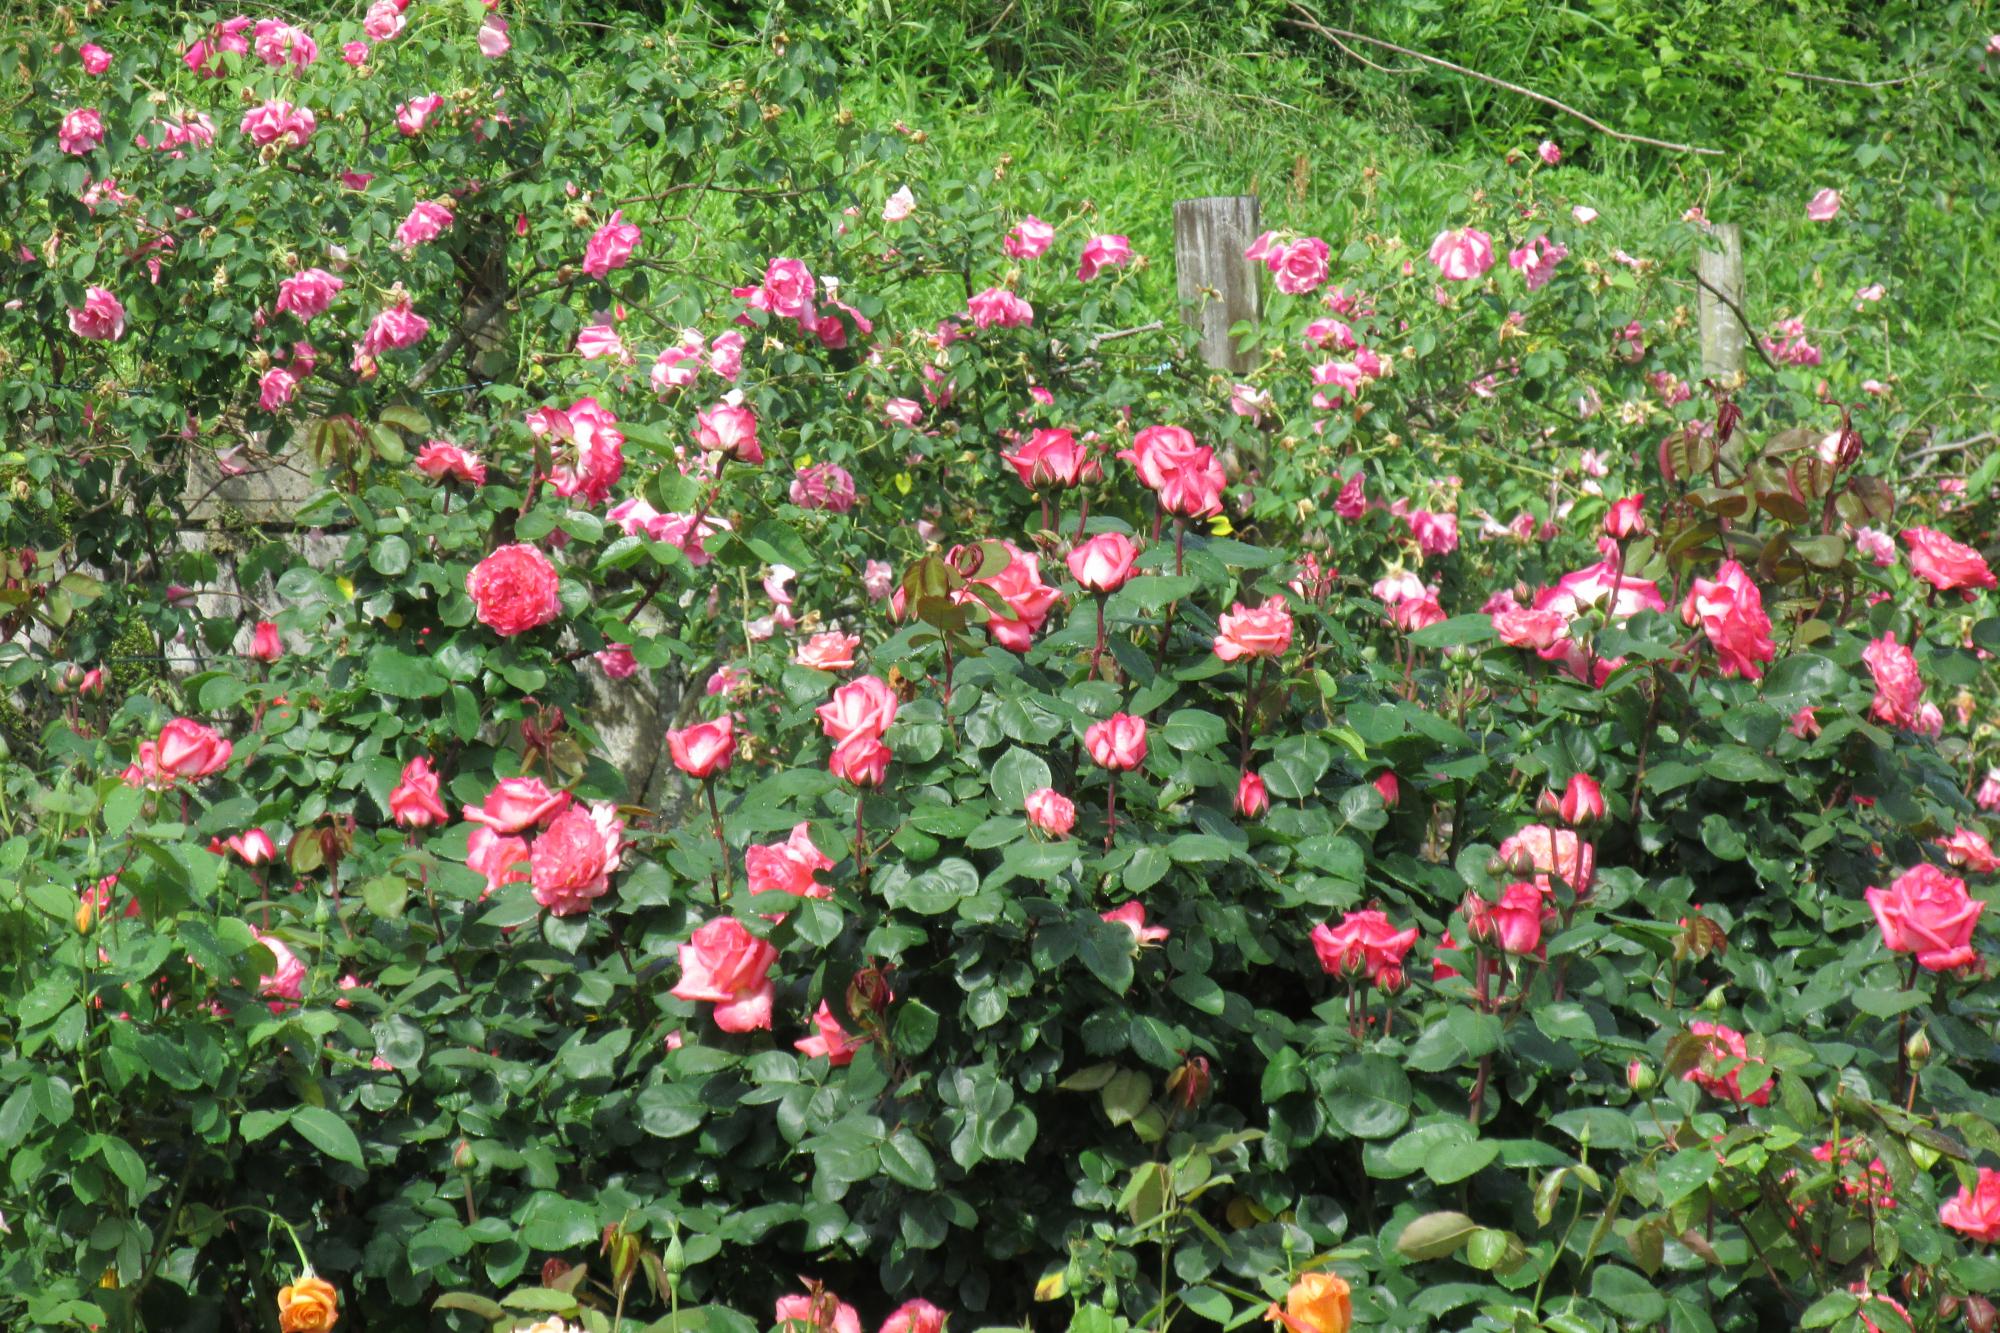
x=1110 y=809
x=1098 y=652
x=721 y=843
x=860 y=838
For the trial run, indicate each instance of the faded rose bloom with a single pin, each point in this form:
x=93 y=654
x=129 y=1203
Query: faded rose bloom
x=1030 y=238
x=1050 y=812
x=830 y=651
x=414 y=803
x=427 y=221
x=413 y=115
x=1987 y=797
x=1102 y=252
x=275 y=389
x=514 y=590
x=903 y=412
x=827 y=486
x=998 y=307
x=1724 y=1057
x=441 y=460
x=497 y=856
x=877 y=579
x=80 y=132
x=493 y=39
x=516 y=805
x=1876 y=545
x=308 y=293
x=1462 y=255
x=830 y=1041
x=100 y=317
x=1927 y=913
x=1549 y=152
x=1824 y=206
x=610 y=246
x=1975 y=1211
x=725 y=965
x=1132 y=916
x=1435 y=534
x=791 y=866
x=617 y=661
x=1363 y=942
x=1945 y=564
x=1899 y=685
x=1260 y=632
x=1730 y=611
x=1969 y=849
x=899 y=205
x=570 y=864
x=704 y=749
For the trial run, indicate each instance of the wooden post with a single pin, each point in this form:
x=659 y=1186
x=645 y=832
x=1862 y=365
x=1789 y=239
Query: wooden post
x=1723 y=337
x=1218 y=286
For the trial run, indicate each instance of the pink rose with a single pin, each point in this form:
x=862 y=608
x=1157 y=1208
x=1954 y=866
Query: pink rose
x=791 y=866
x=384 y=20
x=830 y=651
x=1515 y=921
x=275 y=121
x=100 y=317
x=1050 y=812
x=399 y=326
x=426 y=222
x=283 y=986
x=252 y=847
x=788 y=288
x=516 y=805
x=265 y=645
x=354 y=53
x=1976 y=1211
x=1804 y=724
x=1435 y=534
x=1132 y=916
x=865 y=706
x=275 y=389
x=1945 y=564
x=1252 y=797
x=277 y=43
x=1029 y=600
x=1051 y=457
x=725 y=355
x=493 y=39
x=441 y=460
x=94 y=57
x=1523 y=627
x=570 y=864
x=600 y=342
x=1104 y=563
x=731 y=430
x=414 y=803
x=1899 y=686
x=496 y=856
x=1463 y=254
x=1824 y=206
x=860 y=759
x=1364 y=941
x=899 y=205
x=821 y=1312
x=1627 y=518
x=1549 y=152
x=1581 y=802
x=1102 y=252
x=1542 y=851
x=1969 y=849
x=918 y=1316
x=616 y=661
x=1300 y=266
x=514 y=590
x=830 y=1041
x=1264 y=631
x=725 y=965
x=1877 y=545
x=81 y=131
x=704 y=749
x=878 y=579
x=1927 y=913
x=1029 y=239
x=998 y=306
x=1730 y=611
x=1117 y=743
x=187 y=749
x=413 y=115
x=308 y=293
x=827 y=486
x=611 y=246
x=1724 y=1057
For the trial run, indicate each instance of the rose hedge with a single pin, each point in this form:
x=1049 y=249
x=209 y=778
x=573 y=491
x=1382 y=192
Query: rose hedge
x=1466 y=810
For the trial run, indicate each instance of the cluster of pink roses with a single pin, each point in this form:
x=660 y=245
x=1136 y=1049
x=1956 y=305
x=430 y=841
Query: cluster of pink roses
x=855 y=720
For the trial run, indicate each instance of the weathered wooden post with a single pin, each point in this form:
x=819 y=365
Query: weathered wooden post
x=1218 y=286
x=1723 y=337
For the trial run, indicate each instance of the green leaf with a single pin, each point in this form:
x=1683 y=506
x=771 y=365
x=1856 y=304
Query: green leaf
x=402 y=676
x=907 y=1161
x=1434 y=1235
x=328 y=1133
x=1016 y=773
x=1369 y=1097
x=1106 y=949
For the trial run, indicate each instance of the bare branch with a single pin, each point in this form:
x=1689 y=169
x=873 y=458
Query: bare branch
x=1854 y=83
x=1312 y=24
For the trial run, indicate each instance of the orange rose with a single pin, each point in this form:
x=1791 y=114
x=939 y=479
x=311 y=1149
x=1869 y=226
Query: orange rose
x=311 y=1305
x=1317 y=1303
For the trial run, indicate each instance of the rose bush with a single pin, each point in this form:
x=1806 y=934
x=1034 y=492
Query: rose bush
x=1433 y=834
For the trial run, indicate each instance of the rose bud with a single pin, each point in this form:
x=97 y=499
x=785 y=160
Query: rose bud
x=1582 y=801
x=1252 y=800
x=1639 y=1076
x=1391 y=790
